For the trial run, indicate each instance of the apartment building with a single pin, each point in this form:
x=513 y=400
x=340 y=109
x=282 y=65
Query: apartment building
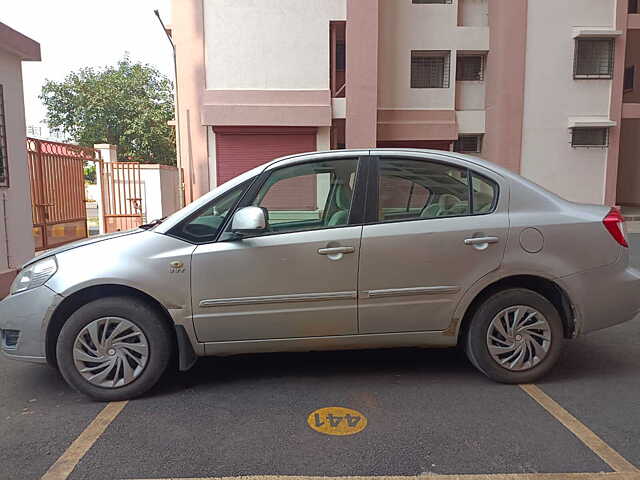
x=547 y=88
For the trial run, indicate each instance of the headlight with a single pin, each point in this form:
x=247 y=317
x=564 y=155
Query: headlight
x=34 y=275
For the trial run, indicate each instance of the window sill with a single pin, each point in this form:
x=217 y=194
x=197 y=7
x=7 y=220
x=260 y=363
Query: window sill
x=593 y=77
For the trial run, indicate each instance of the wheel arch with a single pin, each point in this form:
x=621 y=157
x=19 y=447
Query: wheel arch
x=81 y=297
x=543 y=286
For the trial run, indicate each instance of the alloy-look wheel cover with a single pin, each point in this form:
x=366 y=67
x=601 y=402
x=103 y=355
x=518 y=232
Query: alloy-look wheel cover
x=110 y=352
x=519 y=338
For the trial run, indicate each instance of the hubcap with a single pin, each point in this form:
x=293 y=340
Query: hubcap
x=110 y=352
x=519 y=338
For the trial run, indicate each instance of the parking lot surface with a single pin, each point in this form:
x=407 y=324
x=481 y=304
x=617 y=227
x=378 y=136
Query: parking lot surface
x=427 y=412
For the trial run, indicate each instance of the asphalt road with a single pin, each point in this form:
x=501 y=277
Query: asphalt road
x=428 y=411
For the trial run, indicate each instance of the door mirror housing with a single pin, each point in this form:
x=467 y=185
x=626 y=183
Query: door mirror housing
x=249 y=221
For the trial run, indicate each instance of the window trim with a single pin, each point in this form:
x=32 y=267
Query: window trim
x=371 y=215
x=594 y=76
x=4 y=182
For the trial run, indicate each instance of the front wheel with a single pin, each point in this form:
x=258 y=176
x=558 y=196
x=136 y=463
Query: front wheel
x=515 y=336
x=113 y=348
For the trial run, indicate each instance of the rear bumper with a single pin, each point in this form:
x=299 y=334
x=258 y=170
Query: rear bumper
x=28 y=314
x=604 y=296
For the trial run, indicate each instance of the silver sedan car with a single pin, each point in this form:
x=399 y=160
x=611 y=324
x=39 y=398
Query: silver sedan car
x=327 y=251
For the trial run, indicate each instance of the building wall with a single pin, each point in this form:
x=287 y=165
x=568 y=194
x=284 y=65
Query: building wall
x=159 y=190
x=269 y=44
x=268 y=60
x=16 y=198
x=628 y=178
x=552 y=96
x=404 y=27
x=628 y=191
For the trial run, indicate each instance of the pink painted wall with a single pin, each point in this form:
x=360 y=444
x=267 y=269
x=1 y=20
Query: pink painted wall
x=505 y=78
x=306 y=108
x=394 y=125
x=362 y=73
x=188 y=35
x=615 y=114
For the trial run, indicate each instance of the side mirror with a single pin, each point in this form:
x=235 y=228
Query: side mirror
x=249 y=221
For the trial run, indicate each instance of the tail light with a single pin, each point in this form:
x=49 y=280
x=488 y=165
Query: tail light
x=613 y=222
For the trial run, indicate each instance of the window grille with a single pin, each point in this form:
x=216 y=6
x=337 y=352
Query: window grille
x=430 y=69
x=4 y=162
x=593 y=58
x=470 y=68
x=468 y=144
x=633 y=6
x=590 y=137
x=427 y=2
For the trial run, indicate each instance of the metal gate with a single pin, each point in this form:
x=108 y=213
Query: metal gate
x=57 y=190
x=121 y=196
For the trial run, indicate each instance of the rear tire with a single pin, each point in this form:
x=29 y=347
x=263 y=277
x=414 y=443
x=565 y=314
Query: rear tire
x=515 y=336
x=130 y=343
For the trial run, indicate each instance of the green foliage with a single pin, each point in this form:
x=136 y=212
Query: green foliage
x=128 y=105
x=90 y=174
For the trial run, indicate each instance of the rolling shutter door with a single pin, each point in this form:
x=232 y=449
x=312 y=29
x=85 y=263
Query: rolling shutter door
x=239 y=149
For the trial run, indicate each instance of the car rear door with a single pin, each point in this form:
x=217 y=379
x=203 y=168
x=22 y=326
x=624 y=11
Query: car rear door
x=416 y=264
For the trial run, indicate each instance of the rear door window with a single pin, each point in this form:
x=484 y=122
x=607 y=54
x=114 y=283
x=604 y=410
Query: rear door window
x=416 y=189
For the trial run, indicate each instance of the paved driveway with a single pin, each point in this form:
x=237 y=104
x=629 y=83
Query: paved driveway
x=427 y=412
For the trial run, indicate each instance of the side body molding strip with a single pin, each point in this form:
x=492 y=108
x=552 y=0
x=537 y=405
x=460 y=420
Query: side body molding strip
x=301 y=297
x=396 y=292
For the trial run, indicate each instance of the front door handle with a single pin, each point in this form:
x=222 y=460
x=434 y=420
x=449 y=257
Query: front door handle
x=481 y=240
x=335 y=250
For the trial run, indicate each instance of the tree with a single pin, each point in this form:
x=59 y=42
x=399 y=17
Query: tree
x=128 y=105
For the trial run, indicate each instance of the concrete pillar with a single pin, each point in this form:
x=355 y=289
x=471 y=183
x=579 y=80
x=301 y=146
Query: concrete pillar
x=187 y=23
x=362 y=73
x=108 y=153
x=505 y=82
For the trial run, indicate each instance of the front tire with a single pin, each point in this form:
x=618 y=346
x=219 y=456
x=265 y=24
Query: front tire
x=515 y=336
x=114 y=348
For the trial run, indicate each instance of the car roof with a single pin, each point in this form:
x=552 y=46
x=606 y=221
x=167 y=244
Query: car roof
x=397 y=151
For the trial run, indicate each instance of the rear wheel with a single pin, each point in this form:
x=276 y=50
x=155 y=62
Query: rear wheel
x=515 y=336
x=113 y=348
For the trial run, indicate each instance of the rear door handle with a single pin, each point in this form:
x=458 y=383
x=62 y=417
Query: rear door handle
x=335 y=250
x=481 y=240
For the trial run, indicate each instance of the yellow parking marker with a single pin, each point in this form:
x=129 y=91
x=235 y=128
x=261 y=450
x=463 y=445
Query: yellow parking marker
x=81 y=445
x=612 y=458
x=337 y=421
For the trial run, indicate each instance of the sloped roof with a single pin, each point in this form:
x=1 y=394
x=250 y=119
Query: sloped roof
x=18 y=44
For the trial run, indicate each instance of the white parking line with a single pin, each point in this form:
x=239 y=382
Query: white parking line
x=612 y=458
x=81 y=445
x=496 y=476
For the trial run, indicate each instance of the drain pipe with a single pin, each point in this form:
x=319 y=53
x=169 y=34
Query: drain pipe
x=6 y=229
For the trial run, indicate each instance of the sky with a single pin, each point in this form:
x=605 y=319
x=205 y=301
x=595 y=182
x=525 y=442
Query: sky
x=82 y=33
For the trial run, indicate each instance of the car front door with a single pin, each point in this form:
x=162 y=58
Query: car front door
x=299 y=278
x=433 y=228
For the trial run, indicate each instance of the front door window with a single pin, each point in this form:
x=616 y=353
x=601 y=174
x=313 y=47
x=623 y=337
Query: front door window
x=309 y=196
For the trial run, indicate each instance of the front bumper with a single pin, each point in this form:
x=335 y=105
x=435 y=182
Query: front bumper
x=28 y=313
x=604 y=296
